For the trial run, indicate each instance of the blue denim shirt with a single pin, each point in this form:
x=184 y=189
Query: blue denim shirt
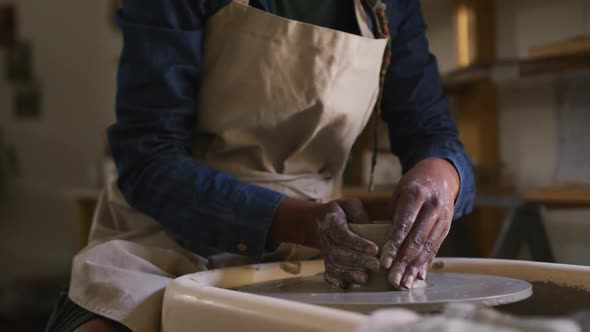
x=158 y=79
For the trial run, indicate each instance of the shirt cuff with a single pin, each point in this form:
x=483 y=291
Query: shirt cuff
x=466 y=197
x=452 y=151
x=254 y=210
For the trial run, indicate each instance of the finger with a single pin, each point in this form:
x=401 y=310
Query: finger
x=349 y=259
x=344 y=278
x=404 y=268
x=355 y=211
x=430 y=248
x=414 y=242
x=423 y=272
x=395 y=198
x=336 y=228
x=427 y=266
x=407 y=207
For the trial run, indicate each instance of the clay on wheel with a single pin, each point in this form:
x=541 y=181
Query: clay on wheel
x=378 y=283
x=378 y=233
x=419 y=284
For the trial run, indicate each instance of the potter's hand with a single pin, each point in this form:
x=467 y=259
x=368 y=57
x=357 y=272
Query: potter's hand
x=347 y=256
x=423 y=204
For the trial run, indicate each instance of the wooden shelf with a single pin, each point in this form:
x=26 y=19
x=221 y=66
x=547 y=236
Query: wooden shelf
x=575 y=45
x=363 y=193
x=565 y=196
x=458 y=80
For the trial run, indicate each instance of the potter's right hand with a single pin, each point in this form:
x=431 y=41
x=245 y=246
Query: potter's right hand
x=347 y=257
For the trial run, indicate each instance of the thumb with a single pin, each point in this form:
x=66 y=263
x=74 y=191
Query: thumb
x=355 y=211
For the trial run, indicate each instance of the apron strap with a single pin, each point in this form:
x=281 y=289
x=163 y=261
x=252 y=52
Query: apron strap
x=363 y=20
x=243 y=2
x=378 y=9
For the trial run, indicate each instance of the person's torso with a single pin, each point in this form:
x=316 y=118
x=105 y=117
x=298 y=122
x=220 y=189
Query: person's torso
x=282 y=101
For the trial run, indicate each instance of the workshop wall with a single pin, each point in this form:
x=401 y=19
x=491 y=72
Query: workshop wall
x=38 y=231
x=439 y=15
x=527 y=111
x=76 y=76
x=527 y=107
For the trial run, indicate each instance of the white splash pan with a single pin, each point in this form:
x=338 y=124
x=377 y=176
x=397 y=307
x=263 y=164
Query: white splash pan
x=199 y=301
x=203 y=301
x=567 y=275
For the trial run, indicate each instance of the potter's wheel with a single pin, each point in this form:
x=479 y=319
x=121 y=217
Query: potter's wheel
x=441 y=289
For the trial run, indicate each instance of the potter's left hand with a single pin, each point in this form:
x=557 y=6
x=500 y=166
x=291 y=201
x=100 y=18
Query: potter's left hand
x=423 y=203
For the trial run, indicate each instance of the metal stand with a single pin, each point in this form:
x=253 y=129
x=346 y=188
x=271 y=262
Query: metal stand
x=524 y=225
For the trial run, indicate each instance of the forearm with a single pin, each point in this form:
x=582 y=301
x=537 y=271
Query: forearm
x=414 y=105
x=158 y=79
x=198 y=204
x=291 y=224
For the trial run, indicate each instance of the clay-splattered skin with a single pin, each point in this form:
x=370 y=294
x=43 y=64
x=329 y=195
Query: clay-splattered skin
x=423 y=205
x=423 y=210
x=347 y=257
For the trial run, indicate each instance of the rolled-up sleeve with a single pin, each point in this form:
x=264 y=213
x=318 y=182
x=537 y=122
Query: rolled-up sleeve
x=151 y=141
x=414 y=106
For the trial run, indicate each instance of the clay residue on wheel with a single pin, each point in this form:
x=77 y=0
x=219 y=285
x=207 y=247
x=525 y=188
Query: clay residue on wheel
x=312 y=284
x=291 y=267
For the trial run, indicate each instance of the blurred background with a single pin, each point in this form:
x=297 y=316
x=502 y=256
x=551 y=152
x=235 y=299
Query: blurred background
x=517 y=72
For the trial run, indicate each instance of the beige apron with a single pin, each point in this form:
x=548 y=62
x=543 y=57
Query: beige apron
x=281 y=104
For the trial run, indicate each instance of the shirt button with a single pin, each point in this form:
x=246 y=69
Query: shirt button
x=242 y=247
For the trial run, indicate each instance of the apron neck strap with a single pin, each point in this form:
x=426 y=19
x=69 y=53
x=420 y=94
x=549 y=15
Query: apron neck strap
x=364 y=22
x=379 y=11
